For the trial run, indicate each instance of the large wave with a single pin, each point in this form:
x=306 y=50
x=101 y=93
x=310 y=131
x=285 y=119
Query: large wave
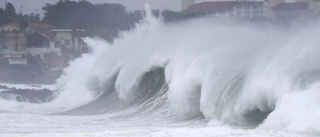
x=228 y=71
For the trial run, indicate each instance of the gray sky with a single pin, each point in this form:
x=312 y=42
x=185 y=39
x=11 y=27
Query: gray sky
x=36 y=5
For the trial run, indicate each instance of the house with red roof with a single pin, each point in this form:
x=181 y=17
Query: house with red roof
x=70 y=40
x=239 y=9
x=38 y=27
x=11 y=37
x=270 y=9
x=39 y=43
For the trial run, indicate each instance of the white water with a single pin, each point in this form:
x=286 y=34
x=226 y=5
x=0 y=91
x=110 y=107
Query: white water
x=23 y=86
x=236 y=74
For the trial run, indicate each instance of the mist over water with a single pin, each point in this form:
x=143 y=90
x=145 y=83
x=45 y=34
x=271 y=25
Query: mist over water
x=230 y=72
x=221 y=71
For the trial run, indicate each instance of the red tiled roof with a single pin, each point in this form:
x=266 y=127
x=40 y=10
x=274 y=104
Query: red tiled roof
x=297 y=5
x=39 y=25
x=212 y=6
x=32 y=24
x=47 y=36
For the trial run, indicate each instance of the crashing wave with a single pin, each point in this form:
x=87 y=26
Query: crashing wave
x=229 y=72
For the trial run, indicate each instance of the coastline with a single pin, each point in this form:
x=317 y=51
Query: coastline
x=27 y=93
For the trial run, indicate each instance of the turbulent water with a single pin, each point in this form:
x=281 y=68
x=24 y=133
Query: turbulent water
x=202 y=77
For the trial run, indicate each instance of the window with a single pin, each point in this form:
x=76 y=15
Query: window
x=57 y=44
x=247 y=7
x=67 y=42
x=16 y=46
x=23 y=46
x=46 y=43
x=239 y=13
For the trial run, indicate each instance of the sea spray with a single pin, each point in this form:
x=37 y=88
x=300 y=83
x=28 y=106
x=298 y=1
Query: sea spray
x=72 y=84
x=231 y=72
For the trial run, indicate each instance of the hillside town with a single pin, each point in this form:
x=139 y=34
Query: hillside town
x=39 y=44
x=37 y=52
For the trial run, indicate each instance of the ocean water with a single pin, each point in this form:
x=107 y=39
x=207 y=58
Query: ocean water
x=201 y=77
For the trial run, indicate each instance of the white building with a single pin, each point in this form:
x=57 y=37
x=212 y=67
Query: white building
x=252 y=9
x=238 y=9
x=71 y=39
x=39 y=44
x=284 y=11
x=314 y=6
x=269 y=9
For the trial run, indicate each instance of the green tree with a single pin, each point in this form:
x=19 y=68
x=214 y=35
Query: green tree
x=23 y=25
x=10 y=10
x=10 y=13
x=103 y=20
x=2 y=16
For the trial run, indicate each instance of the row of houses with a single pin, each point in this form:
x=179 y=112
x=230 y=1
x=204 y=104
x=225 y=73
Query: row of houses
x=38 y=43
x=269 y=9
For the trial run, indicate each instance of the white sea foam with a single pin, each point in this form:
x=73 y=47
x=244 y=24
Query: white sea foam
x=233 y=73
x=225 y=70
x=230 y=71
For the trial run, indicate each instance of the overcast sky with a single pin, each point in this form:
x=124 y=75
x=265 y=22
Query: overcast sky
x=29 y=6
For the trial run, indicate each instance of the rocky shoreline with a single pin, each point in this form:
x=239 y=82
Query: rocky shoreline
x=27 y=95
